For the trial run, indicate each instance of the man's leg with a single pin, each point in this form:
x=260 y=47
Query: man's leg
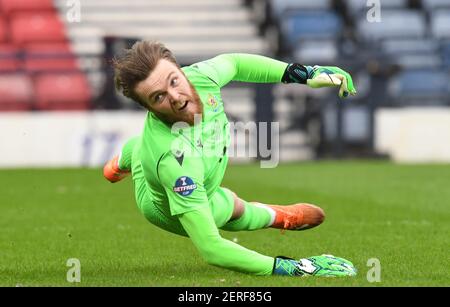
x=252 y=216
x=119 y=166
x=296 y=216
x=247 y=216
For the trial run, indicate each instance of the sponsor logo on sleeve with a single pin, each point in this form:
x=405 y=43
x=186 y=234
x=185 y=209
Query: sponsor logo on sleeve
x=184 y=186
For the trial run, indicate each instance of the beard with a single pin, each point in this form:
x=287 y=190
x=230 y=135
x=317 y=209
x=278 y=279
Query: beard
x=193 y=110
x=196 y=108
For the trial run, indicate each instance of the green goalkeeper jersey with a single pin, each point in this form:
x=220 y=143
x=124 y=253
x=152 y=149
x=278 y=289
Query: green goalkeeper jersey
x=185 y=166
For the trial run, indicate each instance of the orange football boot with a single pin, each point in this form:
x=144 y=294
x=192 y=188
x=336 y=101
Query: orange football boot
x=297 y=216
x=112 y=172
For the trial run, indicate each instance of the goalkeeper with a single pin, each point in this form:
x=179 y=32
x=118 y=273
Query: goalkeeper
x=179 y=160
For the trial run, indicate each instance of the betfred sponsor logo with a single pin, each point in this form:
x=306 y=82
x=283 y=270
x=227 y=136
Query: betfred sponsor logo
x=184 y=186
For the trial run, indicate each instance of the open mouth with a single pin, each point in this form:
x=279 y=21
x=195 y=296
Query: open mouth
x=184 y=106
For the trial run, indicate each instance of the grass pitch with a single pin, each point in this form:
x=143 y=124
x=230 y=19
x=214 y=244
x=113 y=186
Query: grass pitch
x=397 y=214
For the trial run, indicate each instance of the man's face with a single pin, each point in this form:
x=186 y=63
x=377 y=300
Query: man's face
x=169 y=95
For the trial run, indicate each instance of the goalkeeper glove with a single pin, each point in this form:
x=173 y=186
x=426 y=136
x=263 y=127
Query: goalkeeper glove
x=324 y=265
x=320 y=76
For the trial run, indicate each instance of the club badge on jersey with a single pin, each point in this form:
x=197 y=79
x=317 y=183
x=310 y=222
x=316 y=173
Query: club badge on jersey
x=212 y=102
x=184 y=186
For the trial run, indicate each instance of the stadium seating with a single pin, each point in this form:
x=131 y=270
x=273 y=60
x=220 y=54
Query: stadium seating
x=358 y=7
x=9 y=58
x=10 y=6
x=3 y=30
x=49 y=57
x=435 y=4
x=16 y=92
x=440 y=24
x=194 y=30
x=405 y=56
x=395 y=24
x=34 y=53
x=297 y=25
x=445 y=51
x=412 y=53
x=426 y=45
x=37 y=41
x=420 y=87
x=56 y=91
x=29 y=27
x=279 y=7
x=316 y=51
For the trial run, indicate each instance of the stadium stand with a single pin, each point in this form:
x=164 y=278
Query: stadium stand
x=297 y=25
x=435 y=4
x=42 y=52
x=32 y=27
x=16 y=92
x=49 y=57
x=9 y=60
x=280 y=7
x=10 y=6
x=396 y=24
x=193 y=30
x=359 y=8
x=446 y=54
x=56 y=91
x=34 y=46
x=410 y=89
x=3 y=30
x=389 y=54
x=440 y=23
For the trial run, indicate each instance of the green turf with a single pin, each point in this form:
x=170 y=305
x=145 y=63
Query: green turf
x=398 y=214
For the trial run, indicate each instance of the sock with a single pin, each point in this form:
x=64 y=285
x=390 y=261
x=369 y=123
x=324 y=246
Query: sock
x=256 y=216
x=126 y=153
x=270 y=210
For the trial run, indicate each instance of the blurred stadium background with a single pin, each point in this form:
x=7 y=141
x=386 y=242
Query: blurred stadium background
x=56 y=79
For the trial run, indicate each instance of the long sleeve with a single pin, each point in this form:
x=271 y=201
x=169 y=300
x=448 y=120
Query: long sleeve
x=188 y=200
x=243 y=67
x=199 y=225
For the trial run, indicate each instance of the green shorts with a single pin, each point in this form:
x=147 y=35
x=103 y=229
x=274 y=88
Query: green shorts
x=221 y=204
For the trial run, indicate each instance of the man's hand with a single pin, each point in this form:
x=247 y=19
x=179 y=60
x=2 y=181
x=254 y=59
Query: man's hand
x=324 y=265
x=326 y=76
x=320 y=76
x=329 y=265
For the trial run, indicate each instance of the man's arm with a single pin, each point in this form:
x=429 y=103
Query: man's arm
x=244 y=67
x=182 y=180
x=201 y=228
x=189 y=202
x=260 y=69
